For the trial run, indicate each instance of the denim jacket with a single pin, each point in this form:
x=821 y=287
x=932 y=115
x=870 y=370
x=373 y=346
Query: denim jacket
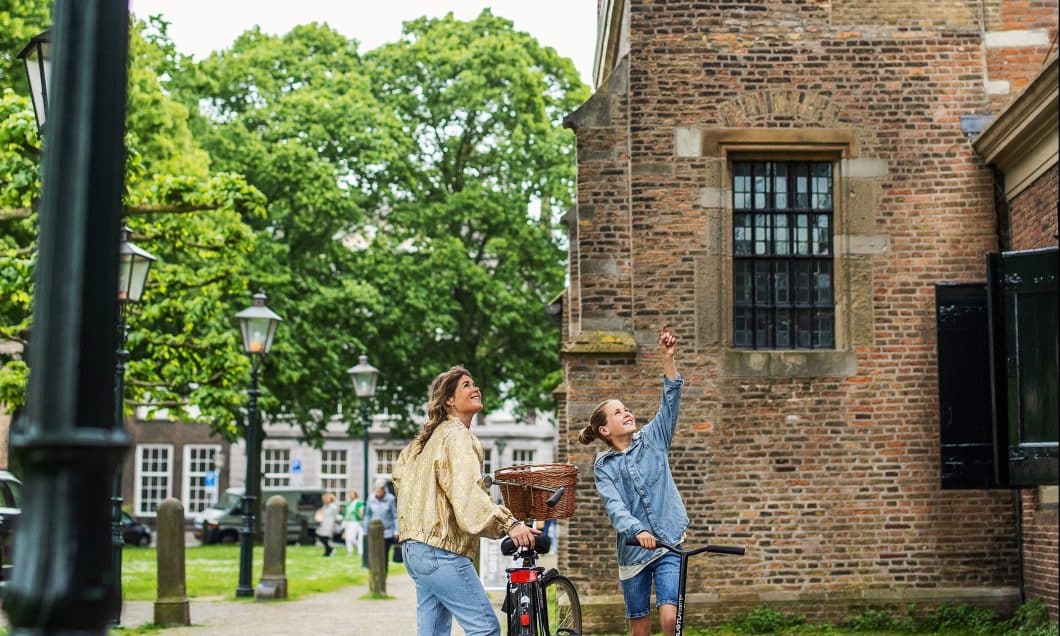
x=637 y=487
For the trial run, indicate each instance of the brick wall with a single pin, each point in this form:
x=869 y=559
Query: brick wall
x=1040 y=547
x=825 y=467
x=1033 y=213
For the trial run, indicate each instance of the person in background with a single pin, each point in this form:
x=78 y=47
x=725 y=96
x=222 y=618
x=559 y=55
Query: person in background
x=352 y=516
x=381 y=505
x=326 y=517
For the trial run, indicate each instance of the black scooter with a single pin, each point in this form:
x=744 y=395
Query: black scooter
x=685 y=555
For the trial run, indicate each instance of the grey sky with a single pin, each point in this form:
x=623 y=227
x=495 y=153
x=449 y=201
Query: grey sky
x=202 y=26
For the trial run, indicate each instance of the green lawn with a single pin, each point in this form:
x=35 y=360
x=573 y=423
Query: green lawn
x=213 y=571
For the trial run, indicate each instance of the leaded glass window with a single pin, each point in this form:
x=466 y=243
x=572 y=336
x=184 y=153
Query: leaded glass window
x=783 y=228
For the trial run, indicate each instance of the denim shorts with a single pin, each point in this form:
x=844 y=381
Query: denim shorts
x=665 y=572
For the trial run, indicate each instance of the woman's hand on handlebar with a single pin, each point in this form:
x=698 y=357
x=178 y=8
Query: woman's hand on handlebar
x=522 y=535
x=646 y=540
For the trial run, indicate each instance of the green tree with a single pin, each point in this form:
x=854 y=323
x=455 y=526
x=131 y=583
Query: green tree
x=296 y=116
x=468 y=251
x=412 y=195
x=185 y=356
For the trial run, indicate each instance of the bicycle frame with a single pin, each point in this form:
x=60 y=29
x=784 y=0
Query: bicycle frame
x=525 y=604
x=685 y=556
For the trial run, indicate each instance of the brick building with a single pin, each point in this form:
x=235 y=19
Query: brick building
x=786 y=184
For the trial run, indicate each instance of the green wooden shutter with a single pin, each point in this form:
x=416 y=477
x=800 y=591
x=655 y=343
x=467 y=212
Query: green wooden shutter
x=967 y=447
x=1026 y=286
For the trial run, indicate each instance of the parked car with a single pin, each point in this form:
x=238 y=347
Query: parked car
x=221 y=522
x=10 y=511
x=133 y=532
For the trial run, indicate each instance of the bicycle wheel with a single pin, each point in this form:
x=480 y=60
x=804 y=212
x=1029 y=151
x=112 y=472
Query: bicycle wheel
x=563 y=607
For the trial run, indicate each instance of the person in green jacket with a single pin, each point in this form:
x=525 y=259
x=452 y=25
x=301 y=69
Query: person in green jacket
x=352 y=514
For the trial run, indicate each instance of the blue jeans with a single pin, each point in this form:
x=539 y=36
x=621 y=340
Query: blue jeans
x=447 y=585
x=666 y=573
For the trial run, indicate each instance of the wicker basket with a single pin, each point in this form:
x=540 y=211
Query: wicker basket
x=527 y=503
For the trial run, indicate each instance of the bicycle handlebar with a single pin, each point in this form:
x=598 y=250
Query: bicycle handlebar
x=542 y=544
x=717 y=549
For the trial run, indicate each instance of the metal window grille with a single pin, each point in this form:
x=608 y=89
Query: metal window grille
x=154 y=477
x=277 y=467
x=333 y=476
x=198 y=459
x=782 y=231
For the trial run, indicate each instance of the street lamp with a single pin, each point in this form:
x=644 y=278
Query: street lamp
x=257 y=324
x=364 y=377
x=133 y=266
x=37 y=57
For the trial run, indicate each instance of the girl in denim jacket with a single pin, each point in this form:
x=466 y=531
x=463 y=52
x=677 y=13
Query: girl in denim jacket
x=633 y=478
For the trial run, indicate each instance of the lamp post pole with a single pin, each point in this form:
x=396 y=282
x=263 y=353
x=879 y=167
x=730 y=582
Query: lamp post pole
x=364 y=377
x=257 y=324
x=246 y=533
x=69 y=440
x=367 y=424
x=116 y=539
x=134 y=264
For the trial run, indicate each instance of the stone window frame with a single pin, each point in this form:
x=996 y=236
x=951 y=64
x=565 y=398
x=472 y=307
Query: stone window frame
x=853 y=246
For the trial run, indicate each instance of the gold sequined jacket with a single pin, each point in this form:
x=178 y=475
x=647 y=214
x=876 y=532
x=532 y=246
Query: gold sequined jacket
x=441 y=498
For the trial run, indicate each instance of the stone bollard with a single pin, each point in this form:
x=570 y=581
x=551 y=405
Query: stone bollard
x=376 y=558
x=171 y=608
x=274 y=571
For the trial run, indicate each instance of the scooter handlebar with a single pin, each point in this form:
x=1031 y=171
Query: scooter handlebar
x=717 y=549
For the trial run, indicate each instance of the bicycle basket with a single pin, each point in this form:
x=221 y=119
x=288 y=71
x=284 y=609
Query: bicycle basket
x=527 y=503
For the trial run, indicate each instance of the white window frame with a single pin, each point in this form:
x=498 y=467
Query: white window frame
x=518 y=455
x=138 y=492
x=276 y=478
x=385 y=458
x=193 y=479
x=337 y=483
x=487 y=460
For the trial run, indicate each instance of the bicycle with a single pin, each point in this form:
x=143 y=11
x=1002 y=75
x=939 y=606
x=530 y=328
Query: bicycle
x=685 y=555
x=537 y=602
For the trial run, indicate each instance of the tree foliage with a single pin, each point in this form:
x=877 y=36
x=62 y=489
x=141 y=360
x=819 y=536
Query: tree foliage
x=401 y=202
x=472 y=212
x=182 y=338
x=400 y=186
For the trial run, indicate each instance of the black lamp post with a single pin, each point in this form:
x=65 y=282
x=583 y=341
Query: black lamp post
x=37 y=57
x=67 y=434
x=133 y=266
x=257 y=324
x=364 y=377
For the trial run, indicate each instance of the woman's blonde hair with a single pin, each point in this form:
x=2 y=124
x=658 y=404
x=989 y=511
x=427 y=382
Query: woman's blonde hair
x=442 y=388
x=598 y=419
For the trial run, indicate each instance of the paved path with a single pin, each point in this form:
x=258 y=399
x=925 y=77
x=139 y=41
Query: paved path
x=338 y=613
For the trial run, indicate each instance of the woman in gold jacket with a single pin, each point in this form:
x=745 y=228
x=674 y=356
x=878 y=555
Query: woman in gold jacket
x=443 y=509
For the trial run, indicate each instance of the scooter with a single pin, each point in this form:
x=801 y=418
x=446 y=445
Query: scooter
x=685 y=555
